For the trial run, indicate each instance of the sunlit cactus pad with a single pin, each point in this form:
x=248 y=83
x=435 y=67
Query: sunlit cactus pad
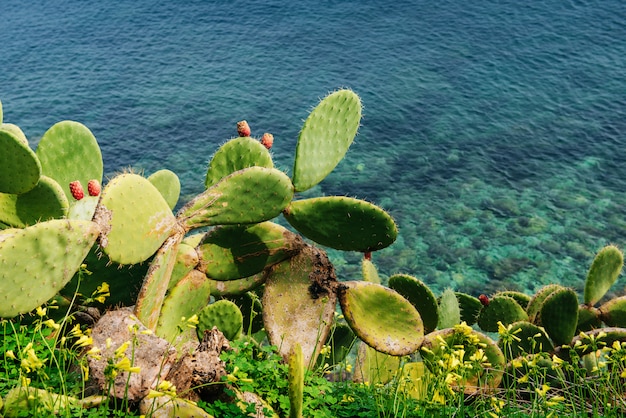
x=420 y=296
x=502 y=309
x=135 y=219
x=342 y=223
x=44 y=202
x=382 y=318
x=36 y=262
x=251 y=195
x=19 y=166
x=235 y=155
x=325 y=138
x=168 y=183
x=606 y=267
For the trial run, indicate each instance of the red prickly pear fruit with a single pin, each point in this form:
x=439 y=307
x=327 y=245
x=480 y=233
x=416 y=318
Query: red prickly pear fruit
x=93 y=187
x=267 y=140
x=243 y=129
x=484 y=300
x=368 y=255
x=77 y=190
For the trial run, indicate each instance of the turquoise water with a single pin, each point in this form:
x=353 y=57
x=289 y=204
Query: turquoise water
x=492 y=131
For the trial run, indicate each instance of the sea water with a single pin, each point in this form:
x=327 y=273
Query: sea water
x=493 y=131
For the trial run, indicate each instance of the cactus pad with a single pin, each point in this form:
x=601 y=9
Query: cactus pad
x=559 y=315
x=19 y=166
x=588 y=318
x=469 y=306
x=374 y=367
x=325 y=138
x=15 y=130
x=36 y=262
x=613 y=312
x=521 y=298
x=503 y=309
x=168 y=184
x=68 y=151
x=536 y=302
x=235 y=155
x=222 y=288
x=532 y=340
x=449 y=310
x=420 y=296
x=606 y=267
x=186 y=260
x=224 y=315
x=44 y=202
x=381 y=317
x=135 y=219
x=233 y=252
x=250 y=195
x=299 y=303
x=296 y=381
x=190 y=295
x=343 y=223
x=481 y=379
x=369 y=272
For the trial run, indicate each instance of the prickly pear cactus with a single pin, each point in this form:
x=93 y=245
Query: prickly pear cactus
x=135 y=219
x=449 y=311
x=536 y=302
x=613 y=312
x=251 y=195
x=20 y=168
x=374 y=367
x=37 y=261
x=69 y=152
x=224 y=315
x=15 y=130
x=235 y=155
x=299 y=303
x=369 y=271
x=342 y=223
x=232 y=252
x=325 y=138
x=44 y=202
x=559 y=315
x=296 y=381
x=168 y=184
x=503 y=309
x=606 y=267
x=381 y=317
x=469 y=306
x=530 y=339
x=420 y=296
x=187 y=298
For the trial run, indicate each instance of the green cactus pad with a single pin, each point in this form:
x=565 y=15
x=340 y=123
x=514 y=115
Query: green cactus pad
x=250 y=306
x=342 y=223
x=613 y=312
x=20 y=168
x=588 y=318
x=469 y=306
x=503 y=309
x=224 y=315
x=296 y=381
x=251 y=195
x=340 y=342
x=299 y=303
x=381 y=317
x=606 y=267
x=235 y=155
x=449 y=310
x=222 y=288
x=186 y=260
x=68 y=151
x=135 y=219
x=15 y=130
x=325 y=138
x=481 y=379
x=559 y=315
x=156 y=282
x=187 y=298
x=532 y=339
x=420 y=296
x=369 y=272
x=168 y=184
x=124 y=280
x=536 y=302
x=36 y=262
x=522 y=298
x=233 y=252
x=44 y=202
x=604 y=337
x=375 y=367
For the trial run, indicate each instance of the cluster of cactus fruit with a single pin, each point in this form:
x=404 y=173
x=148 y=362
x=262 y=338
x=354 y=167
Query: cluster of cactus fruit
x=220 y=257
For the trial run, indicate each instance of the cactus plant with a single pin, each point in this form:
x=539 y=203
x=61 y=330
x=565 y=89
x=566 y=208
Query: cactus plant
x=168 y=184
x=43 y=202
x=449 y=312
x=420 y=296
x=296 y=381
x=559 y=315
x=503 y=309
x=224 y=315
x=20 y=168
x=606 y=267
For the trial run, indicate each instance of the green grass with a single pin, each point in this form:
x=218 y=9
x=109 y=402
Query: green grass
x=40 y=352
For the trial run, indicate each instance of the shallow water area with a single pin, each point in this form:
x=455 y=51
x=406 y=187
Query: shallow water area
x=491 y=132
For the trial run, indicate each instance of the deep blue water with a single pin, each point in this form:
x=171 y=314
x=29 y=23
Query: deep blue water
x=492 y=131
